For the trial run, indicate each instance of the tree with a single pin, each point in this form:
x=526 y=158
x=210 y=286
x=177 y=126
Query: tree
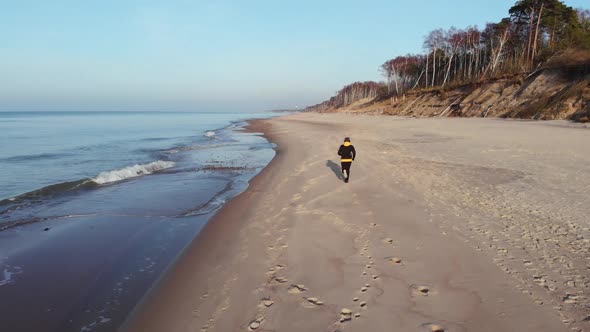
x=433 y=42
x=454 y=39
x=401 y=72
x=495 y=38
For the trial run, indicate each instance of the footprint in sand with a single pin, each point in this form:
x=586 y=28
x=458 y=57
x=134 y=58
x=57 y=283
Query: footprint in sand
x=255 y=324
x=570 y=298
x=429 y=327
x=421 y=290
x=314 y=300
x=266 y=302
x=540 y=280
x=388 y=240
x=296 y=289
x=281 y=279
x=345 y=315
x=394 y=260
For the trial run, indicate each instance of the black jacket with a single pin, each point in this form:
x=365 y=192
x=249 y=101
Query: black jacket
x=347 y=153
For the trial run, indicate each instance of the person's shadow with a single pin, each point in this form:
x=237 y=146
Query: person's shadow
x=336 y=169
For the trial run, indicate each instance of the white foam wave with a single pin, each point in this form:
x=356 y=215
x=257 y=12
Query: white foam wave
x=132 y=171
x=210 y=134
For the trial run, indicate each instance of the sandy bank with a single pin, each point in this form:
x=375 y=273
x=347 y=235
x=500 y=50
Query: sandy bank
x=466 y=224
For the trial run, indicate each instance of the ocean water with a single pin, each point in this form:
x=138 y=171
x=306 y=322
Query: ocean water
x=39 y=149
x=95 y=206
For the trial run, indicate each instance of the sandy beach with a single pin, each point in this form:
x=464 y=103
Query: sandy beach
x=447 y=224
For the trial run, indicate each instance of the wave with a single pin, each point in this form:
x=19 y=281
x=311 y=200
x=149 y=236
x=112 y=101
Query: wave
x=213 y=204
x=192 y=148
x=50 y=191
x=132 y=171
x=36 y=157
x=88 y=183
x=209 y=134
x=155 y=139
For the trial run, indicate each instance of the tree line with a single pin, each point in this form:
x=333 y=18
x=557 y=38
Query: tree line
x=534 y=32
x=349 y=94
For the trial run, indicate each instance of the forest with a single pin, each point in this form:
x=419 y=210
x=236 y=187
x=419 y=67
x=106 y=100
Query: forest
x=536 y=34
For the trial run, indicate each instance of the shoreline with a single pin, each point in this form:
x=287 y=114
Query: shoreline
x=419 y=243
x=211 y=232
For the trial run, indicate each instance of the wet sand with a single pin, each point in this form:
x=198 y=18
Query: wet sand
x=446 y=225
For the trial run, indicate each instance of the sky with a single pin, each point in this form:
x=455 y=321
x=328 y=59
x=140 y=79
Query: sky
x=175 y=55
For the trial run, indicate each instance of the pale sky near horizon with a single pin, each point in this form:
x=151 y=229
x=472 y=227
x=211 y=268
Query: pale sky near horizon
x=210 y=55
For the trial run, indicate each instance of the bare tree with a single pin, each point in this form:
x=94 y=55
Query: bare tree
x=433 y=41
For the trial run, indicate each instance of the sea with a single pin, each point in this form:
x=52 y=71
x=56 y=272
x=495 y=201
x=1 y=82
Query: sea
x=95 y=206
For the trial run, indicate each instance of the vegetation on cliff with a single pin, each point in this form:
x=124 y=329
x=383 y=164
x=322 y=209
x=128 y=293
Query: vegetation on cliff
x=537 y=35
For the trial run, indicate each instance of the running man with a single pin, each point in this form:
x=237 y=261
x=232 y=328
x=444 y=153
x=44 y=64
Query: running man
x=347 y=154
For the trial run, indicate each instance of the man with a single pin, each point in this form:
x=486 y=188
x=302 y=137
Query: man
x=347 y=154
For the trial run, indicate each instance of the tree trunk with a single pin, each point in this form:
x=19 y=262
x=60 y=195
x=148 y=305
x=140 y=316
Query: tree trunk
x=433 y=66
x=388 y=82
x=537 y=33
x=531 y=20
x=496 y=53
x=427 y=56
x=448 y=69
x=418 y=80
x=395 y=78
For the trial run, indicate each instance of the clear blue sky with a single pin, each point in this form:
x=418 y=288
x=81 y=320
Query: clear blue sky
x=209 y=55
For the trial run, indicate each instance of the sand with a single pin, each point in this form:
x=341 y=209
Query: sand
x=446 y=225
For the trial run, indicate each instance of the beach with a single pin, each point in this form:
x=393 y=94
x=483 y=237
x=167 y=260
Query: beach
x=447 y=224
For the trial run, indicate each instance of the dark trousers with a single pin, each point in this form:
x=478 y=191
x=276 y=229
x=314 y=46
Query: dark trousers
x=346 y=166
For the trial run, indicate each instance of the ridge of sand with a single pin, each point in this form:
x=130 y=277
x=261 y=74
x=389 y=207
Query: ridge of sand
x=446 y=225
